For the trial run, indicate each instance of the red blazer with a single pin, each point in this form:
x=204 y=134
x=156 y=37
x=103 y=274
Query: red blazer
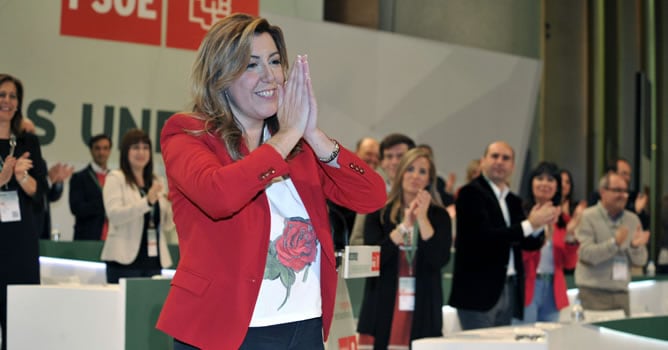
x=222 y=219
x=565 y=257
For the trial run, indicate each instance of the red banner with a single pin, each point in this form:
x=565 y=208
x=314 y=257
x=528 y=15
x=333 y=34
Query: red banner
x=189 y=20
x=135 y=21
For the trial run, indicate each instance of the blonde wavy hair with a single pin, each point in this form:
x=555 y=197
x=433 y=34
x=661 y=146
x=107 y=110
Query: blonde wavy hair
x=221 y=59
x=395 y=199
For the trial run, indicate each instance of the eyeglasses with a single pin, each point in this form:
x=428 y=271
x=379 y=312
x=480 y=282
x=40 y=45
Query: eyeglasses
x=617 y=190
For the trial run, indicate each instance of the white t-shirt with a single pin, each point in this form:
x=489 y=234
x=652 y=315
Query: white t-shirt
x=290 y=290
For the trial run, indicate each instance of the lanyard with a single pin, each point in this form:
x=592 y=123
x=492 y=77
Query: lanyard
x=410 y=247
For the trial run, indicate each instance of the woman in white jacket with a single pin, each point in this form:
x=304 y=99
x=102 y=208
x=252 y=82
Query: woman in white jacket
x=138 y=213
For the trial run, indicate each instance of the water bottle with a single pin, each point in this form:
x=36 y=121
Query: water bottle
x=55 y=234
x=577 y=312
x=651 y=269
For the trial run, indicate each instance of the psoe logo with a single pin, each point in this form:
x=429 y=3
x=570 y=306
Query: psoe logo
x=142 y=22
x=206 y=13
x=135 y=21
x=188 y=21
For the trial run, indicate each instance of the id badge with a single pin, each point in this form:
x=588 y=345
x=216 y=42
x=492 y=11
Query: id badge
x=10 y=211
x=406 y=293
x=152 y=241
x=620 y=269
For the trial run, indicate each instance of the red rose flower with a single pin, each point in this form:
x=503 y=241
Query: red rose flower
x=296 y=247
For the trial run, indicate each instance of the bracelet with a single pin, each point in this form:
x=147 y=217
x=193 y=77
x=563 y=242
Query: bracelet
x=24 y=178
x=403 y=229
x=335 y=153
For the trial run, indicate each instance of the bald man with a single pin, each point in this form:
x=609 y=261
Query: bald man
x=368 y=149
x=492 y=231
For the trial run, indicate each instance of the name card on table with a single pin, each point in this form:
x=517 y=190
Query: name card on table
x=361 y=261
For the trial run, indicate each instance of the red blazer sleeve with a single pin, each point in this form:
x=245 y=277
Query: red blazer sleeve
x=195 y=166
x=353 y=184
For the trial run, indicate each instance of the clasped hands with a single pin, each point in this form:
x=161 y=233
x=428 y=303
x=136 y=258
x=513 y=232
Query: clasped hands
x=543 y=214
x=15 y=166
x=298 y=115
x=154 y=192
x=640 y=236
x=297 y=108
x=415 y=212
x=59 y=172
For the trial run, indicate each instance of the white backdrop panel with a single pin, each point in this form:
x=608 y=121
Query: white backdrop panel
x=368 y=82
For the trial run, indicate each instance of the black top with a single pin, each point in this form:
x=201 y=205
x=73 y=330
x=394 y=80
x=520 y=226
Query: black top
x=86 y=204
x=143 y=261
x=380 y=292
x=19 y=243
x=19 y=239
x=342 y=220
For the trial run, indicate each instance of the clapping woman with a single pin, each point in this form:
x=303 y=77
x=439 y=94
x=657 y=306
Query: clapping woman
x=545 y=284
x=22 y=183
x=138 y=213
x=414 y=233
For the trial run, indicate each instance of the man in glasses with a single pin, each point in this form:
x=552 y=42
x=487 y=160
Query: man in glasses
x=637 y=200
x=611 y=241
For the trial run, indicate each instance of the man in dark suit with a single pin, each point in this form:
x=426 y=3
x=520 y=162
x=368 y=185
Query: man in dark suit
x=492 y=230
x=86 y=192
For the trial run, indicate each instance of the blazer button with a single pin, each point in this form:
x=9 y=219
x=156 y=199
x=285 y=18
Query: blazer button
x=361 y=171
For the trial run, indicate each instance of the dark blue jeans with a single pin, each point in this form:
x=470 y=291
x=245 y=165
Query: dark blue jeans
x=300 y=335
x=500 y=314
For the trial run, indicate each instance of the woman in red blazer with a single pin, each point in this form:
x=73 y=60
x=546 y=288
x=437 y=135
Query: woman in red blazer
x=545 y=284
x=249 y=172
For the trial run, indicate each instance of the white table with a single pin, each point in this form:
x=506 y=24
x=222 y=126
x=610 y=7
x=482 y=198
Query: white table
x=646 y=298
x=557 y=337
x=65 y=317
x=82 y=317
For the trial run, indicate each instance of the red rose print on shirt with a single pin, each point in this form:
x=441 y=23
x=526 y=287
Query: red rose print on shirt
x=297 y=246
x=293 y=251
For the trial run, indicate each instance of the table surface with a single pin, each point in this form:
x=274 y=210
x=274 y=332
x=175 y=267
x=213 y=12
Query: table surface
x=556 y=336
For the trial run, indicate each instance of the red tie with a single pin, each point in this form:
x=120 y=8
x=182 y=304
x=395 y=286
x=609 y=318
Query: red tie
x=105 y=226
